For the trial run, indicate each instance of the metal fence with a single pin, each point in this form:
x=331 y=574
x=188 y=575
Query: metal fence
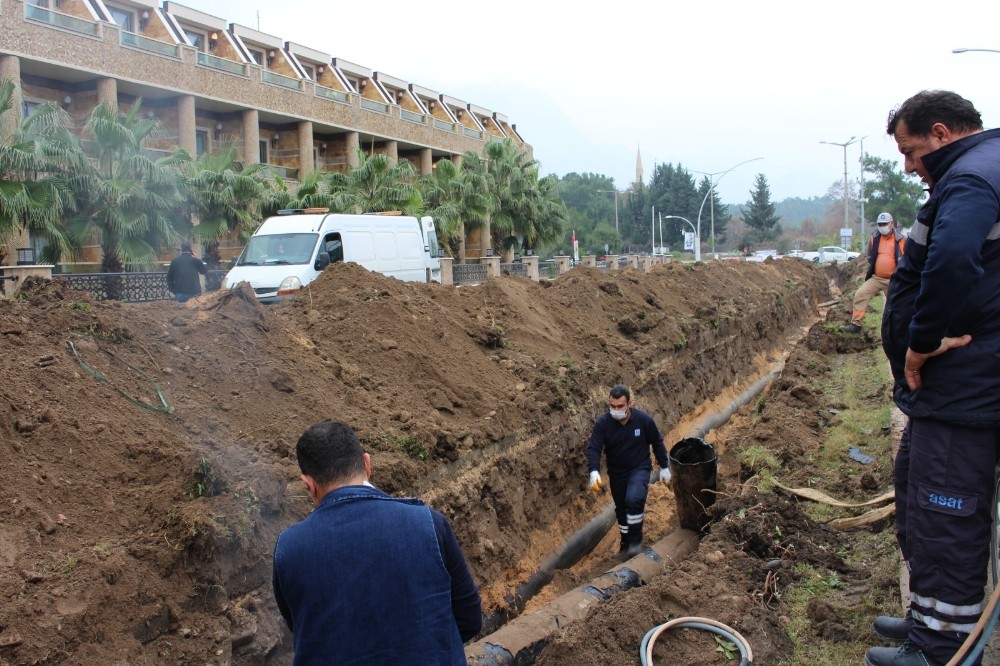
x=516 y=269
x=469 y=273
x=132 y=287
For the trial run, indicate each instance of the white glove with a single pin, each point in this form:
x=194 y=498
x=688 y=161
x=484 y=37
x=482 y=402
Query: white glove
x=665 y=474
x=595 y=481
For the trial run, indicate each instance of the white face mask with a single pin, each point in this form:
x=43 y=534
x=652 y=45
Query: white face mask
x=618 y=416
x=885 y=230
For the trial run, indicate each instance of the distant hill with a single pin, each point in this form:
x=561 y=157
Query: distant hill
x=794 y=211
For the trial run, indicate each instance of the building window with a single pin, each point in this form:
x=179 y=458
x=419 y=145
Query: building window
x=310 y=73
x=197 y=39
x=258 y=56
x=264 y=152
x=200 y=142
x=27 y=108
x=123 y=18
x=39 y=3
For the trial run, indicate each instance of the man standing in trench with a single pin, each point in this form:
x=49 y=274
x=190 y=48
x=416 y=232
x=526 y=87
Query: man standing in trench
x=368 y=578
x=626 y=435
x=941 y=332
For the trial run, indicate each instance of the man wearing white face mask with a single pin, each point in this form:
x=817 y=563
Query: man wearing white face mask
x=885 y=249
x=626 y=435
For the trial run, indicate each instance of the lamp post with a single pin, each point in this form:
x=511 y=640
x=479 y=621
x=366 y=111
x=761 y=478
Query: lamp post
x=861 y=143
x=846 y=187
x=712 y=183
x=697 y=239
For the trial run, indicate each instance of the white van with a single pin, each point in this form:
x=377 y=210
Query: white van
x=290 y=250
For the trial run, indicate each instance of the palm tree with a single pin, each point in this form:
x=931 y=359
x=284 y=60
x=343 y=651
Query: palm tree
x=312 y=192
x=225 y=196
x=129 y=201
x=377 y=184
x=33 y=193
x=455 y=198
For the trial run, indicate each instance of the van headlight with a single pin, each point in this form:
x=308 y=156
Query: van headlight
x=289 y=286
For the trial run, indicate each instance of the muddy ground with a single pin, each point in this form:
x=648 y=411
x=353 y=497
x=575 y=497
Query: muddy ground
x=148 y=449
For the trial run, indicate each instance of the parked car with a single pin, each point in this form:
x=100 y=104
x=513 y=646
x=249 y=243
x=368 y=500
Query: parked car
x=796 y=253
x=829 y=254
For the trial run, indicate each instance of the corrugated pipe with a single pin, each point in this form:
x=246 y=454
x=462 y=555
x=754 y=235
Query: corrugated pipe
x=520 y=641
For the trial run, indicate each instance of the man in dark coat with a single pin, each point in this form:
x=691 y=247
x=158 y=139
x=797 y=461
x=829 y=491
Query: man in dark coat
x=183 y=279
x=941 y=332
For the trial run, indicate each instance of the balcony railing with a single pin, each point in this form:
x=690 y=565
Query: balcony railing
x=372 y=105
x=442 y=125
x=411 y=116
x=330 y=93
x=281 y=80
x=471 y=133
x=59 y=20
x=289 y=173
x=147 y=44
x=132 y=287
x=215 y=62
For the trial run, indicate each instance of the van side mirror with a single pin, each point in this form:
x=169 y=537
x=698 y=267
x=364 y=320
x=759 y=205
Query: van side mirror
x=322 y=261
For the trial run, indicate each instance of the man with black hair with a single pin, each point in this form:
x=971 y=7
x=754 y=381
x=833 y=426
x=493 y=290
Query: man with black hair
x=941 y=333
x=368 y=578
x=182 y=275
x=626 y=435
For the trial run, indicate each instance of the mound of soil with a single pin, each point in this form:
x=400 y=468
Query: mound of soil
x=149 y=448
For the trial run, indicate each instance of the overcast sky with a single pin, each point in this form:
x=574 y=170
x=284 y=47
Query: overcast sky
x=703 y=84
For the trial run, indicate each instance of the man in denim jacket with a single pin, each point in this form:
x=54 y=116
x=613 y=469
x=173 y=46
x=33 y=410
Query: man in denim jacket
x=368 y=578
x=941 y=333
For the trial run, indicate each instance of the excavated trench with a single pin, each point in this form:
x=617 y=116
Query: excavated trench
x=690 y=395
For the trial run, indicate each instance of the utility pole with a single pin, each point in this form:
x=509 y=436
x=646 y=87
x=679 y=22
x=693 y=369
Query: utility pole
x=861 y=143
x=847 y=189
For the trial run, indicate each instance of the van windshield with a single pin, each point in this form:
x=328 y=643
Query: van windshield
x=275 y=249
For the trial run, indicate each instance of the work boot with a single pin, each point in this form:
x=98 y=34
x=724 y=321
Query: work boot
x=624 y=544
x=851 y=328
x=907 y=654
x=892 y=629
x=634 y=539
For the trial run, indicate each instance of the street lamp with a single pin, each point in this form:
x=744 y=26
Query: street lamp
x=697 y=238
x=967 y=50
x=712 y=183
x=846 y=188
x=861 y=143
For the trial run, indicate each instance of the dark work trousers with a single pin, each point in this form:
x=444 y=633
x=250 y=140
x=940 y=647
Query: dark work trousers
x=944 y=500
x=629 y=490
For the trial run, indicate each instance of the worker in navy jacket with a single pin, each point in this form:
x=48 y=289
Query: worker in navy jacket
x=941 y=332
x=626 y=435
x=368 y=578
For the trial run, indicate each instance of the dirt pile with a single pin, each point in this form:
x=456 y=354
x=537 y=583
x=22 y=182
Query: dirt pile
x=149 y=448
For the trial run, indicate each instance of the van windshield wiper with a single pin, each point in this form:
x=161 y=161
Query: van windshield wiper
x=249 y=263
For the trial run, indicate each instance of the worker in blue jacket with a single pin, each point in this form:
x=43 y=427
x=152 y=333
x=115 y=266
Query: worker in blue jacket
x=368 y=578
x=626 y=435
x=941 y=332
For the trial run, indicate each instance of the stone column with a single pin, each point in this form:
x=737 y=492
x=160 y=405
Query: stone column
x=107 y=94
x=633 y=260
x=353 y=145
x=392 y=149
x=531 y=267
x=251 y=136
x=186 y=125
x=590 y=260
x=646 y=262
x=447 y=270
x=562 y=263
x=10 y=70
x=426 y=162
x=492 y=266
x=612 y=262
x=306 y=164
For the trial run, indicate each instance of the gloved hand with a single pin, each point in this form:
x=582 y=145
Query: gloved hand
x=665 y=475
x=595 y=481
